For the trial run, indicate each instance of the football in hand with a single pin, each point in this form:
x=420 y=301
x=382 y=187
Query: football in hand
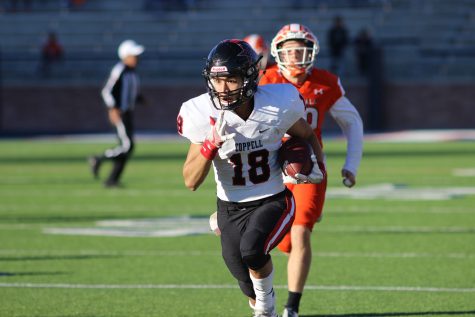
x=294 y=157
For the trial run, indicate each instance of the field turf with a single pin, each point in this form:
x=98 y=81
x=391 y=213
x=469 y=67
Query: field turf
x=402 y=243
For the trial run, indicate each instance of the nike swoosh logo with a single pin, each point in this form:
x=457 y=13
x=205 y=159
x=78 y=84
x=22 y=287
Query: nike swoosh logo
x=263 y=130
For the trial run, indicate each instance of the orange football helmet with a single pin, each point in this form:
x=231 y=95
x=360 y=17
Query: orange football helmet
x=259 y=45
x=307 y=54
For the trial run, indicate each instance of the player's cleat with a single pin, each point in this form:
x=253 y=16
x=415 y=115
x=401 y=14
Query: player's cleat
x=289 y=312
x=268 y=310
x=265 y=314
x=111 y=184
x=95 y=163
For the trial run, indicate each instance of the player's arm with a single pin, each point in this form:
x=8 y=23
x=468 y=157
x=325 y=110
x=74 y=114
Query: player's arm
x=196 y=167
x=200 y=156
x=349 y=120
x=112 y=81
x=303 y=130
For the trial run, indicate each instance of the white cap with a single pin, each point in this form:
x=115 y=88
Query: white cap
x=129 y=47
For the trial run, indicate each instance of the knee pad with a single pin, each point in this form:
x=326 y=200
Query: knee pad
x=256 y=261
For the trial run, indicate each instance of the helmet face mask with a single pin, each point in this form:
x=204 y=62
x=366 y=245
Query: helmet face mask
x=225 y=90
x=299 y=56
x=232 y=63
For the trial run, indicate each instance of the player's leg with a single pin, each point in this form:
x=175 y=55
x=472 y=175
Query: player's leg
x=95 y=164
x=267 y=225
x=121 y=154
x=309 y=199
x=230 y=240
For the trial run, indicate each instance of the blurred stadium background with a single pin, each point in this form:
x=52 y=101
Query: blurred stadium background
x=424 y=57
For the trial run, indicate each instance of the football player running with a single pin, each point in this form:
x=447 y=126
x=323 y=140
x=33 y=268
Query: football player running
x=237 y=128
x=294 y=49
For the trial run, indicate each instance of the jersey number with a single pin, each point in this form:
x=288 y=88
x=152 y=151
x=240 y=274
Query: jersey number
x=179 y=124
x=259 y=170
x=312 y=117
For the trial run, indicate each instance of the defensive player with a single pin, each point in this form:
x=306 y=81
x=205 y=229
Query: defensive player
x=237 y=128
x=294 y=49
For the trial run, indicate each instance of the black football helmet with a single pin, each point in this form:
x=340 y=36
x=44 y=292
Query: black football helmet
x=232 y=58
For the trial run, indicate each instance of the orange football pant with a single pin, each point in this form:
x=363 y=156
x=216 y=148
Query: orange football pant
x=309 y=200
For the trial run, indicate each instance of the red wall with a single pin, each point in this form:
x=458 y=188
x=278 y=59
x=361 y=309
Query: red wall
x=80 y=109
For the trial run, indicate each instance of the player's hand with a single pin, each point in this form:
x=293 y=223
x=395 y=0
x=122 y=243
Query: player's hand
x=213 y=223
x=218 y=134
x=289 y=179
x=216 y=137
x=317 y=174
x=349 y=179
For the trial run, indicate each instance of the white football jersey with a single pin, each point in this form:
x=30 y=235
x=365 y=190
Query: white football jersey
x=246 y=167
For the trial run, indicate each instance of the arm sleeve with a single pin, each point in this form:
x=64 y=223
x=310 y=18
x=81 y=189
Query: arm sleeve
x=349 y=120
x=194 y=125
x=107 y=96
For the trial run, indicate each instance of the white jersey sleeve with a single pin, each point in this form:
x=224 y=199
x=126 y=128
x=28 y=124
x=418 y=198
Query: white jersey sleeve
x=194 y=119
x=349 y=120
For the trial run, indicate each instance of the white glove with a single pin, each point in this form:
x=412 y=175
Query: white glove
x=289 y=179
x=216 y=137
x=317 y=174
x=213 y=223
x=217 y=134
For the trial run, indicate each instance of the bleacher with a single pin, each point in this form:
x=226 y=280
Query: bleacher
x=424 y=40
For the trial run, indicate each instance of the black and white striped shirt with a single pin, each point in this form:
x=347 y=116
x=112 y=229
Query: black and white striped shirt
x=122 y=88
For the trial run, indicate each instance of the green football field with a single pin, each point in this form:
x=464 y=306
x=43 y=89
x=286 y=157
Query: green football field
x=401 y=243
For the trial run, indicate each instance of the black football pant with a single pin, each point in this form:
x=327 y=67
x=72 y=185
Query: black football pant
x=250 y=230
x=120 y=154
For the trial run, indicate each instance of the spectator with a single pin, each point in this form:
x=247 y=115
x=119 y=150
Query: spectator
x=76 y=4
x=337 y=40
x=363 y=48
x=51 y=53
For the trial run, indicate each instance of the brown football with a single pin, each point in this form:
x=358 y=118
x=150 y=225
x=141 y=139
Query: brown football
x=294 y=157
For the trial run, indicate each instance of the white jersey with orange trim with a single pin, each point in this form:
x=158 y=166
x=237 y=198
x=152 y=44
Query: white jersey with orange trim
x=246 y=167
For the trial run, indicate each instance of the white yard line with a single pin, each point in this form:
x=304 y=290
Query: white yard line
x=228 y=286
x=396 y=229
x=137 y=253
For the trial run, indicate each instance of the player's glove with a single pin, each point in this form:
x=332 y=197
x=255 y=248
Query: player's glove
x=216 y=137
x=290 y=180
x=213 y=223
x=317 y=174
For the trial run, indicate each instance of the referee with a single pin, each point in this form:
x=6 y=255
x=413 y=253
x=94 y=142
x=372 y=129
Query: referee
x=120 y=94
